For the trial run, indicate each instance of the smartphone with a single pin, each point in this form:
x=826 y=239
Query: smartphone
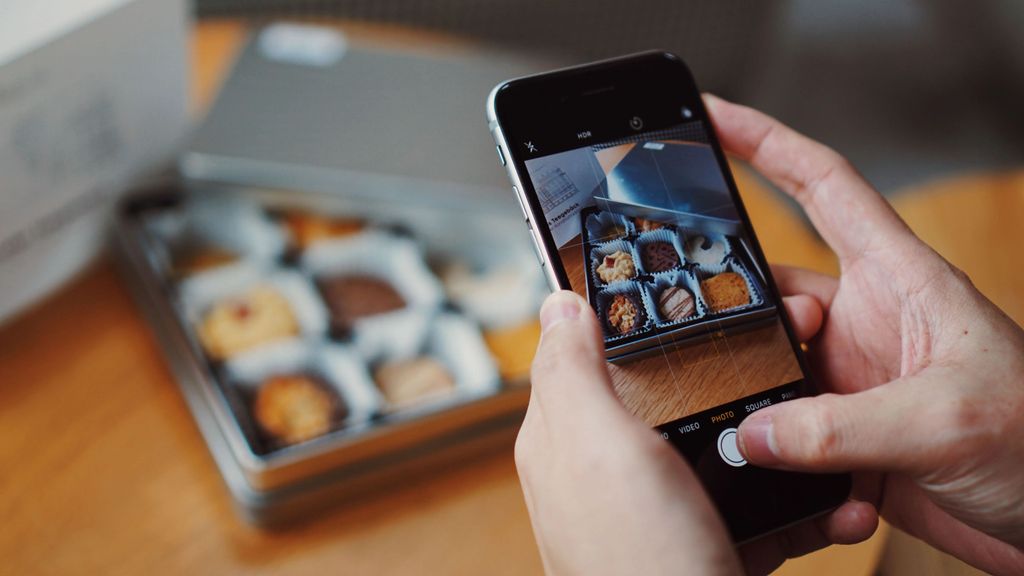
x=630 y=203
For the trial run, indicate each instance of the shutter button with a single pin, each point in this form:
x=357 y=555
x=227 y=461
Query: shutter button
x=728 y=449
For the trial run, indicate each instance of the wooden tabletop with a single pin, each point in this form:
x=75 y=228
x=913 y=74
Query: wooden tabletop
x=102 y=470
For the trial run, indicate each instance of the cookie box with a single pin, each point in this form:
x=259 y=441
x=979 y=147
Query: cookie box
x=700 y=255
x=329 y=348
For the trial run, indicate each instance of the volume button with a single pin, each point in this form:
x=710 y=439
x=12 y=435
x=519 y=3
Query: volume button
x=522 y=205
x=536 y=244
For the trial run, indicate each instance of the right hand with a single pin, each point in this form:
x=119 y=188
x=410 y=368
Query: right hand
x=927 y=375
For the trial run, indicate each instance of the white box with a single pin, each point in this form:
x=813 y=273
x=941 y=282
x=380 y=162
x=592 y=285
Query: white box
x=93 y=93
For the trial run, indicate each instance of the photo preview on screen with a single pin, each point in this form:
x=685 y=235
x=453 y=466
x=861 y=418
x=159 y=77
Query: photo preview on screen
x=649 y=234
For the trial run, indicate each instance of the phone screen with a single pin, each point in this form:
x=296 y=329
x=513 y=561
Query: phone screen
x=639 y=215
x=647 y=232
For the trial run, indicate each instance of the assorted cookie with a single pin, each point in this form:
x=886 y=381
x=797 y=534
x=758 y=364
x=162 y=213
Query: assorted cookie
x=405 y=383
x=306 y=228
x=294 y=408
x=624 y=314
x=318 y=324
x=646 y=225
x=659 y=256
x=244 y=321
x=725 y=291
x=653 y=275
x=616 y=267
x=675 y=304
x=352 y=297
x=189 y=260
x=706 y=251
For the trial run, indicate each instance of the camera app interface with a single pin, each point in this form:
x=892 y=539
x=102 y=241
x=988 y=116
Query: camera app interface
x=648 y=233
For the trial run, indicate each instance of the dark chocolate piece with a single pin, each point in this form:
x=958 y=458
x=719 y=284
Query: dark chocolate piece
x=659 y=256
x=351 y=297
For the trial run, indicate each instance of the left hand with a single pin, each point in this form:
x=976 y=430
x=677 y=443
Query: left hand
x=607 y=495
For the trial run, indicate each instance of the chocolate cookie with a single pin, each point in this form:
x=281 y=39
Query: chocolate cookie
x=352 y=297
x=676 y=304
x=659 y=256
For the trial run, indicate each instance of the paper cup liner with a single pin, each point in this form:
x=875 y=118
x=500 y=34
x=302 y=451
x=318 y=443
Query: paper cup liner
x=667 y=236
x=598 y=253
x=227 y=224
x=731 y=265
x=598 y=223
x=394 y=260
x=507 y=291
x=200 y=293
x=679 y=279
x=694 y=256
x=457 y=344
x=605 y=298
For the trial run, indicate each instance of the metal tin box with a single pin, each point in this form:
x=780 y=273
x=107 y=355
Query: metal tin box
x=466 y=295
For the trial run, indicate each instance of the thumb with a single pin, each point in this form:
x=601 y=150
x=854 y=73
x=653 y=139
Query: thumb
x=569 y=375
x=884 y=428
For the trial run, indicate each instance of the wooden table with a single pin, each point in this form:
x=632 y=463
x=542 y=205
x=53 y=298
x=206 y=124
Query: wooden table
x=103 y=472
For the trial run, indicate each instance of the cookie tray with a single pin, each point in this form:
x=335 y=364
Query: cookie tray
x=292 y=484
x=650 y=341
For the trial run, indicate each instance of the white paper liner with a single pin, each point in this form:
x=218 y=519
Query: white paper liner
x=598 y=222
x=393 y=259
x=732 y=265
x=663 y=235
x=220 y=221
x=500 y=293
x=459 y=344
x=456 y=343
x=598 y=252
x=692 y=257
x=680 y=279
x=339 y=367
x=604 y=298
x=202 y=291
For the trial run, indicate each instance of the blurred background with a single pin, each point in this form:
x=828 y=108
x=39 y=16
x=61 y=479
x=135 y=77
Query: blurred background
x=908 y=89
x=147 y=143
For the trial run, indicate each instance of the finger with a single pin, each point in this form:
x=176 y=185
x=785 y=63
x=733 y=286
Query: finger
x=795 y=280
x=890 y=428
x=851 y=523
x=849 y=214
x=569 y=375
x=805 y=314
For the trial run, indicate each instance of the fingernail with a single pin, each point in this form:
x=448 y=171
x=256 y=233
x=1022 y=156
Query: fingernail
x=559 y=307
x=757 y=440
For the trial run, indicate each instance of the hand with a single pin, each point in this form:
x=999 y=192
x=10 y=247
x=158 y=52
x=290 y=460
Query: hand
x=606 y=494
x=928 y=374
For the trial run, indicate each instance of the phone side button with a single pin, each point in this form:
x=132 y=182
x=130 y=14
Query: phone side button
x=501 y=155
x=522 y=206
x=536 y=245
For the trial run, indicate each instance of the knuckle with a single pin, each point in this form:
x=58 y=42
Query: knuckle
x=967 y=421
x=523 y=452
x=822 y=436
x=559 y=346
